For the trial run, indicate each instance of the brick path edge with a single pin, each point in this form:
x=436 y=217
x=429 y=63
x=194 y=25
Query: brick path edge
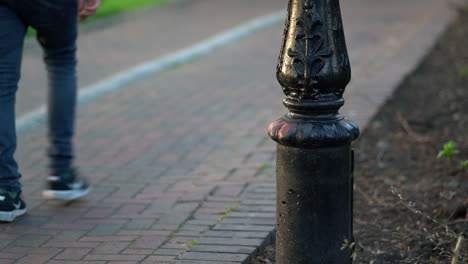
x=242 y=234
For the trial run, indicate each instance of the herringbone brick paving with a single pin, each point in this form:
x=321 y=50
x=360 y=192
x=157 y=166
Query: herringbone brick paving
x=180 y=163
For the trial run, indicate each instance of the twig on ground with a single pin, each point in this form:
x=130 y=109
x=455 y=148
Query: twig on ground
x=459 y=221
x=372 y=200
x=404 y=123
x=411 y=206
x=457 y=258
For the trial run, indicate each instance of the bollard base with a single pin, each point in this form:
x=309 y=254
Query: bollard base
x=314 y=205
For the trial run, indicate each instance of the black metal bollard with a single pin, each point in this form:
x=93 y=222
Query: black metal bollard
x=315 y=160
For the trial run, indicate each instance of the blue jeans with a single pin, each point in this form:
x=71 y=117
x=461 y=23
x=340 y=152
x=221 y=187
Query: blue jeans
x=56 y=24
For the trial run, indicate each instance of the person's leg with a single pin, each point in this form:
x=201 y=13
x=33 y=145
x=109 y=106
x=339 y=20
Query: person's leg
x=56 y=25
x=57 y=32
x=12 y=31
x=61 y=68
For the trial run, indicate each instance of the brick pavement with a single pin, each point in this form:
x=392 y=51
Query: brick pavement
x=180 y=162
x=114 y=44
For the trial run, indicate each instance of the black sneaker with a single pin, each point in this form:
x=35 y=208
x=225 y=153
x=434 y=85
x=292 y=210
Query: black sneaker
x=67 y=186
x=11 y=206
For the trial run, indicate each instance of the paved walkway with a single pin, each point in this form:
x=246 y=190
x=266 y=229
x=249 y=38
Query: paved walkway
x=182 y=169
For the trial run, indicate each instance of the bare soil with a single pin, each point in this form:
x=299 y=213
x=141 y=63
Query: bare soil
x=410 y=205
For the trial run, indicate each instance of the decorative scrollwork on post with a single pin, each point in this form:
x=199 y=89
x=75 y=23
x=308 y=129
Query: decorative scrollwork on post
x=313 y=67
x=309 y=53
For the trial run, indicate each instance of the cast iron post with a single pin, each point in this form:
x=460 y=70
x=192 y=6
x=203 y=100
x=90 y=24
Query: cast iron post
x=315 y=159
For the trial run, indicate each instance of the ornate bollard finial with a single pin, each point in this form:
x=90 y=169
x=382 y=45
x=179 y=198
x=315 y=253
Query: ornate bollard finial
x=313 y=70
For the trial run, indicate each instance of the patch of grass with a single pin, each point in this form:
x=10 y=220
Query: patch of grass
x=264 y=166
x=112 y=7
x=449 y=150
x=464 y=164
x=231 y=208
x=347 y=245
x=213 y=191
x=231 y=172
x=192 y=243
x=463 y=71
x=228 y=211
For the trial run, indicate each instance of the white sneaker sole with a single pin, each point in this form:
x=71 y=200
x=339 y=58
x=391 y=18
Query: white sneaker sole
x=65 y=195
x=10 y=216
